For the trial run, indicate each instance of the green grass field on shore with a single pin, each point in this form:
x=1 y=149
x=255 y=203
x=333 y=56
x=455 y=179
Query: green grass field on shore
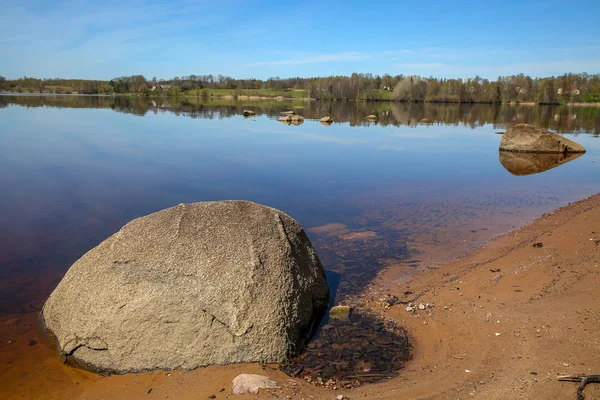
x=288 y=93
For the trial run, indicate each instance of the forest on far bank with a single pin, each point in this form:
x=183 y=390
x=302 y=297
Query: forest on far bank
x=566 y=88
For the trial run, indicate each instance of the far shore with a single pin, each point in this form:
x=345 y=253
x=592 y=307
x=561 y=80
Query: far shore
x=244 y=97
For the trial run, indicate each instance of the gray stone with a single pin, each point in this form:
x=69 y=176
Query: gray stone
x=531 y=139
x=189 y=286
x=251 y=383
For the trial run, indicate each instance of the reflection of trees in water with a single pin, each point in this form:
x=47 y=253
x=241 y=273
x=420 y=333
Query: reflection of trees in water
x=561 y=118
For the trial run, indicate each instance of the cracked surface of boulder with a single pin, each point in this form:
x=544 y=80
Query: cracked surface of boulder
x=189 y=286
x=527 y=138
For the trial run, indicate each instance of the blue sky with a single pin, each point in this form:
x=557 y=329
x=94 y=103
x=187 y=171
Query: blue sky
x=243 y=39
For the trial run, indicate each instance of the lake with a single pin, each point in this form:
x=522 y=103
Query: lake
x=420 y=185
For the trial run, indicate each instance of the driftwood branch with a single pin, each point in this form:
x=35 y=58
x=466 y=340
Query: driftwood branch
x=372 y=375
x=582 y=379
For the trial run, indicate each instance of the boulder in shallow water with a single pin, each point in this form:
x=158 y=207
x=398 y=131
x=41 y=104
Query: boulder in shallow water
x=531 y=139
x=188 y=286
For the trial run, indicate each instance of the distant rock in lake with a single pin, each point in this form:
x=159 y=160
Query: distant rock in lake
x=532 y=163
x=248 y=113
x=531 y=139
x=189 y=286
x=327 y=120
x=292 y=119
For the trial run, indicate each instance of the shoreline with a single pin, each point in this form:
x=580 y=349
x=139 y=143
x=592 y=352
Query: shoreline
x=244 y=97
x=544 y=297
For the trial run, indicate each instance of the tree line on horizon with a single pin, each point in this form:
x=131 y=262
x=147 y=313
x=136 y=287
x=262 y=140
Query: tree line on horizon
x=565 y=88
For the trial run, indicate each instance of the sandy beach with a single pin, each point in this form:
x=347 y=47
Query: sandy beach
x=506 y=319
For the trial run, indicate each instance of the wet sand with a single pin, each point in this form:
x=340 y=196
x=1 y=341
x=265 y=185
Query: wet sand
x=542 y=301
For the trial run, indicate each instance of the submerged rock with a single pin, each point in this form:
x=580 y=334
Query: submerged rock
x=532 y=163
x=326 y=120
x=248 y=112
x=531 y=139
x=371 y=117
x=188 y=286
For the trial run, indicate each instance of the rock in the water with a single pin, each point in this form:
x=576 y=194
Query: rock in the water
x=531 y=139
x=292 y=119
x=188 y=286
x=250 y=383
x=326 y=119
x=371 y=117
x=291 y=112
x=248 y=112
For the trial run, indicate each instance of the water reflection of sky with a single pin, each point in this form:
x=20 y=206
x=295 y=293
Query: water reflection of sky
x=70 y=177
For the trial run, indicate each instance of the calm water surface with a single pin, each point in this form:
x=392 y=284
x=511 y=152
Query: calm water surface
x=421 y=185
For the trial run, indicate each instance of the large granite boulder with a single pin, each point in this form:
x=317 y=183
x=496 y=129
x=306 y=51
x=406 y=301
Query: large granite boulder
x=531 y=139
x=189 y=286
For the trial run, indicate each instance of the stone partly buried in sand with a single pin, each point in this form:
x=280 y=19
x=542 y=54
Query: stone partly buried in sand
x=189 y=286
x=251 y=383
x=339 y=312
x=526 y=138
